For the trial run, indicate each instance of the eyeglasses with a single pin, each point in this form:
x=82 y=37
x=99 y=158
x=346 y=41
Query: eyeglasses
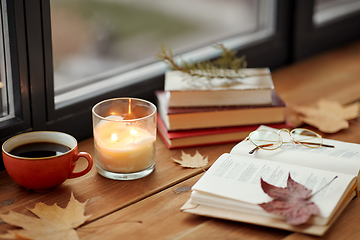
x=270 y=140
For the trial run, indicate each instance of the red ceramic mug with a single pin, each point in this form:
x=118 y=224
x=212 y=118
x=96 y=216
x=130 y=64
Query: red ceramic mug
x=42 y=160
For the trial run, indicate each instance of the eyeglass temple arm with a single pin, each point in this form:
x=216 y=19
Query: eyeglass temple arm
x=321 y=144
x=270 y=144
x=257 y=147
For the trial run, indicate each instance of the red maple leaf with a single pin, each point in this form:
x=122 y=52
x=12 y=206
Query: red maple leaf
x=292 y=202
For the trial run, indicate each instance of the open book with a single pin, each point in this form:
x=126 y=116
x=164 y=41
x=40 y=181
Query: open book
x=231 y=188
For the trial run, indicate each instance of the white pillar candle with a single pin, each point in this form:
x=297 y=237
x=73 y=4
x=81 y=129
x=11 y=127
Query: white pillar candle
x=123 y=148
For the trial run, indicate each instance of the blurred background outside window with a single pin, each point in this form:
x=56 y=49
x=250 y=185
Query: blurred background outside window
x=98 y=43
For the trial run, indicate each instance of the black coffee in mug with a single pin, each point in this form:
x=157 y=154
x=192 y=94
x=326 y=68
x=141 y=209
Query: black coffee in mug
x=39 y=150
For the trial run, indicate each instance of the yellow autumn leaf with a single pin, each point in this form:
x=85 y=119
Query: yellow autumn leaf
x=54 y=222
x=324 y=121
x=329 y=116
x=348 y=112
x=188 y=161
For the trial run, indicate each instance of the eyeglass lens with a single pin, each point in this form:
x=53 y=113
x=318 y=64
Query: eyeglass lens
x=265 y=139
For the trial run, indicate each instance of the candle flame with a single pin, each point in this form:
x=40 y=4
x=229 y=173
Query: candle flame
x=114 y=137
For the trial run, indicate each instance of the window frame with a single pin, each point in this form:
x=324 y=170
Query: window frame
x=19 y=72
x=21 y=121
x=310 y=39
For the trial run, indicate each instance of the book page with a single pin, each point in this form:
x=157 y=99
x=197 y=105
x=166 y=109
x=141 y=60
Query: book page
x=343 y=158
x=238 y=178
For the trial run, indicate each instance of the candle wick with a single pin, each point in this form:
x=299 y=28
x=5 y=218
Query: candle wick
x=129 y=109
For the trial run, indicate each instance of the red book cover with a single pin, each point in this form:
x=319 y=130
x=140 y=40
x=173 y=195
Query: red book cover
x=207 y=136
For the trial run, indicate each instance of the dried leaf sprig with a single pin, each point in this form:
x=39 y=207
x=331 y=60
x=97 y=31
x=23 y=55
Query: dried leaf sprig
x=228 y=66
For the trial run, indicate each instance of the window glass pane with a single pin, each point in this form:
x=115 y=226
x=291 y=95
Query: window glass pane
x=6 y=93
x=328 y=10
x=95 y=40
x=3 y=92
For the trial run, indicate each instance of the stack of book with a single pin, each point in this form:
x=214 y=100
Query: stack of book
x=196 y=112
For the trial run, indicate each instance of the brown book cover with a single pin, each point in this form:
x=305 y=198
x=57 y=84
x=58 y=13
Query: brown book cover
x=210 y=117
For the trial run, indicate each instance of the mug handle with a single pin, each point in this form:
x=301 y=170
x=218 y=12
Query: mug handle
x=88 y=168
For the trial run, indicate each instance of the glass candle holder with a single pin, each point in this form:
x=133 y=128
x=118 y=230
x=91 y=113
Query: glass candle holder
x=124 y=138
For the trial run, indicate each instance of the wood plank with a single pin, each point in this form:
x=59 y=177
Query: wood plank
x=221 y=229
x=159 y=217
x=345 y=227
x=334 y=75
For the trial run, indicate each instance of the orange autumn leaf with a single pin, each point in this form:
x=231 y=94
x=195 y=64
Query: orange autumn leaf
x=188 y=161
x=53 y=222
